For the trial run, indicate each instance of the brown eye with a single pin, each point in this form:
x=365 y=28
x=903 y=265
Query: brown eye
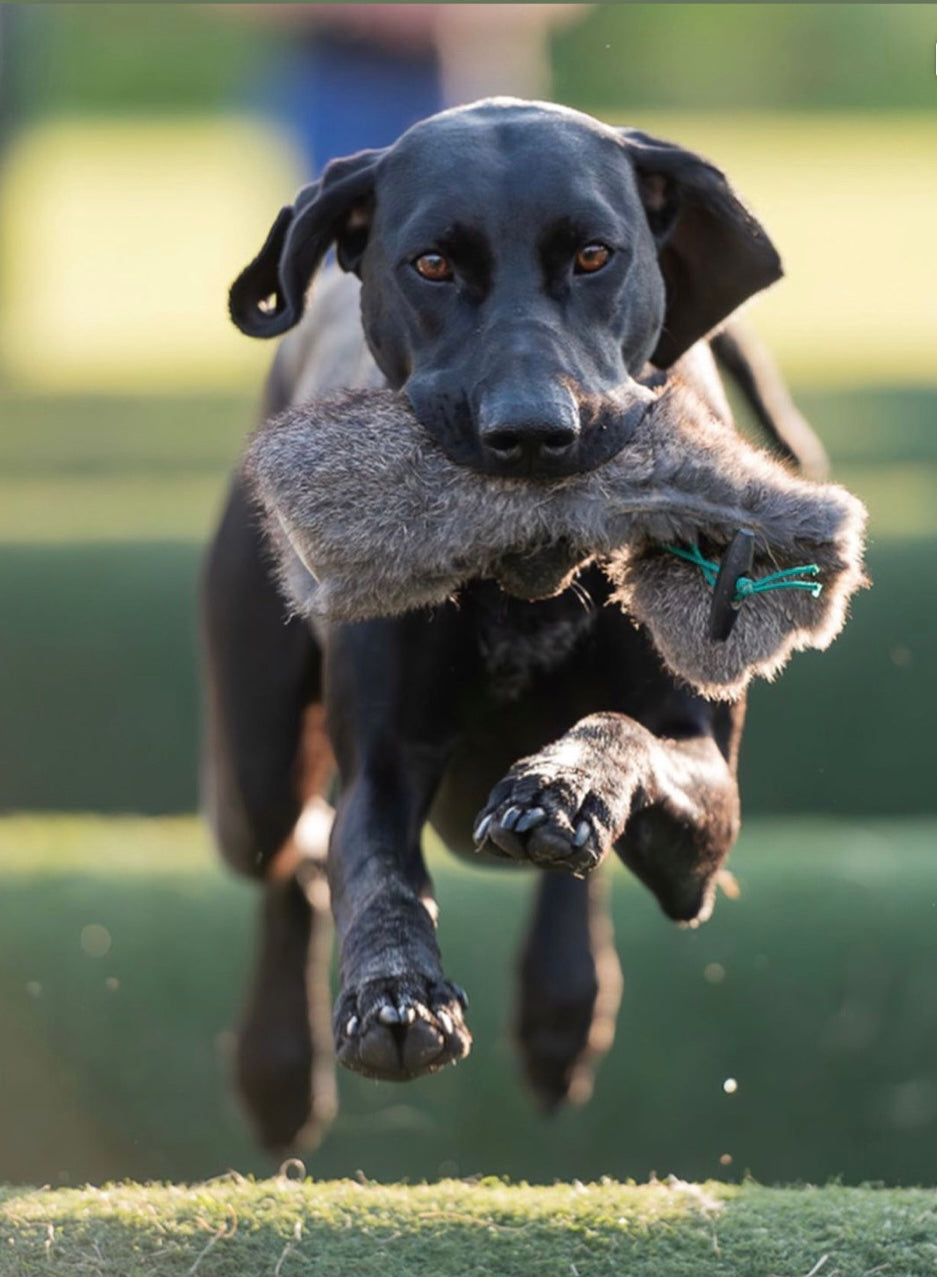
x=591 y=258
x=433 y=266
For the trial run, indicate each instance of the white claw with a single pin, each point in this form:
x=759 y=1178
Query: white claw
x=583 y=830
x=407 y=1014
x=445 y=1020
x=351 y=1026
x=511 y=817
x=481 y=829
x=388 y=1014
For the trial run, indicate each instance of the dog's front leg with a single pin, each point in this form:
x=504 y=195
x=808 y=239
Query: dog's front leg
x=392 y=711
x=668 y=805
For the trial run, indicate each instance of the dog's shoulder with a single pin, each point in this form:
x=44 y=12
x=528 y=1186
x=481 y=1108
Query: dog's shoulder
x=326 y=351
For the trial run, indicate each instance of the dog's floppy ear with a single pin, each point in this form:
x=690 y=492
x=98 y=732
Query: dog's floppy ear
x=267 y=297
x=713 y=254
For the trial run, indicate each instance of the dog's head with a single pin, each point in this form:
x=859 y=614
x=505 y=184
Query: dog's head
x=520 y=264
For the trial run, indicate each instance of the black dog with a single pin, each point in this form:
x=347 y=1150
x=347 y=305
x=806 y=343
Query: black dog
x=519 y=264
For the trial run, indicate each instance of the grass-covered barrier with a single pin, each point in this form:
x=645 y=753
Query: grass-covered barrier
x=285 y=1228
x=123 y=950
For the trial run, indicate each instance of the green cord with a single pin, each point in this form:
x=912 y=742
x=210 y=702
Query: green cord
x=745 y=587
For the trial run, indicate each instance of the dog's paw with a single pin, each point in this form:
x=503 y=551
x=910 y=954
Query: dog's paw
x=548 y=816
x=399 y=1028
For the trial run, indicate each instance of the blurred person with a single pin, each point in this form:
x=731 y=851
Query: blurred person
x=357 y=76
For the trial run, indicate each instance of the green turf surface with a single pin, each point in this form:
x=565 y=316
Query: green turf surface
x=816 y=991
x=336 y=1229
x=112 y=468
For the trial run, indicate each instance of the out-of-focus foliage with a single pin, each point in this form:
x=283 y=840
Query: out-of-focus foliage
x=116 y=59
x=118 y=241
x=755 y=56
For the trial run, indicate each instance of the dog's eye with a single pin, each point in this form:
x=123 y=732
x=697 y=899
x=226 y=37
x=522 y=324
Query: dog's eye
x=433 y=266
x=592 y=257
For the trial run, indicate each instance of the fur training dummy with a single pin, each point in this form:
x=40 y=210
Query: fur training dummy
x=368 y=517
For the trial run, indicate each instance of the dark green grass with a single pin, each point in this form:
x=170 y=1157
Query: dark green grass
x=816 y=991
x=283 y=1227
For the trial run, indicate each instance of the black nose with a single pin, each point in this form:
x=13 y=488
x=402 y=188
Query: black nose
x=527 y=438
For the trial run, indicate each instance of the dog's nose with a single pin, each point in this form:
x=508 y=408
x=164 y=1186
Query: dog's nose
x=528 y=440
x=518 y=437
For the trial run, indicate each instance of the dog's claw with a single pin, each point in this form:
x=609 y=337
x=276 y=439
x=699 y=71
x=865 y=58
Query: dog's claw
x=402 y=1032
x=547 y=816
x=480 y=832
x=583 y=830
x=511 y=817
x=530 y=819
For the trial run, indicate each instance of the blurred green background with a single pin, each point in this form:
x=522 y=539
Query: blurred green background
x=139 y=169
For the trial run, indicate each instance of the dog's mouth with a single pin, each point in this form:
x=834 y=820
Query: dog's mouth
x=539 y=573
x=607 y=422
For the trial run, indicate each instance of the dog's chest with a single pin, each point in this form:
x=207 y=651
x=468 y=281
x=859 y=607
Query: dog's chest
x=521 y=641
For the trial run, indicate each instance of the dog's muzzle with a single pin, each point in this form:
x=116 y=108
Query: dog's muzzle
x=525 y=435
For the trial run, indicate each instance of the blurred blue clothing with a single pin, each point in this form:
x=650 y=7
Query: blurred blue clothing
x=339 y=94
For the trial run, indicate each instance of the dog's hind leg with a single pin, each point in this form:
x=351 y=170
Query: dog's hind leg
x=266 y=765
x=285 y=1057
x=569 y=989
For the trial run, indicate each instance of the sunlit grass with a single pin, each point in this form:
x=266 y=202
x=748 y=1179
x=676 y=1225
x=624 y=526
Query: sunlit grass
x=237 y=1226
x=46 y=844
x=120 y=508
x=851 y=202
x=901 y=497
x=102 y=435
x=118 y=241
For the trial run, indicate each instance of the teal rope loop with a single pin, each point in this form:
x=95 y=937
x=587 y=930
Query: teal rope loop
x=745 y=587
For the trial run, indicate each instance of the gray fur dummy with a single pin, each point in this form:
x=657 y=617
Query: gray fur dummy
x=368 y=517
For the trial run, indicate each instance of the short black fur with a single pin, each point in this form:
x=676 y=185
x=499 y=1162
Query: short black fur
x=551 y=728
